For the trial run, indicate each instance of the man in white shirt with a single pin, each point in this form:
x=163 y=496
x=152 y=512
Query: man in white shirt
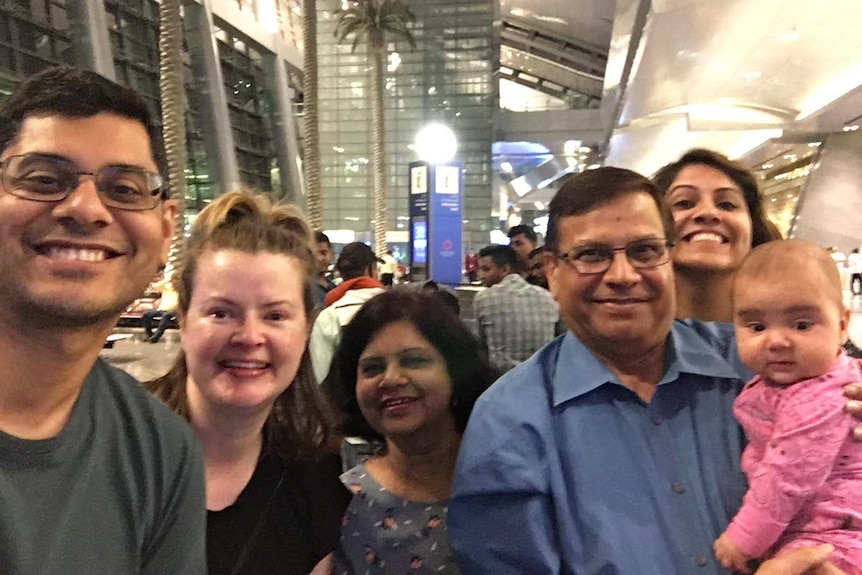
x=357 y=265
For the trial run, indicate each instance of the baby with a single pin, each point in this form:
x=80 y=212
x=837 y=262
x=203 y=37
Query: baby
x=804 y=469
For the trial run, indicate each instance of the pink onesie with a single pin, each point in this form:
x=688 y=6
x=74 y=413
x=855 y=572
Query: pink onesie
x=804 y=469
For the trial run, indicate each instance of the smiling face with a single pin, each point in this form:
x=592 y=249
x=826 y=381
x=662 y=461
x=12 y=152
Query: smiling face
x=712 y=220
x=790 y=323
x=76 y=262
x=245 y=330
x=622 y=309
x=402 y=385
x=490 y=274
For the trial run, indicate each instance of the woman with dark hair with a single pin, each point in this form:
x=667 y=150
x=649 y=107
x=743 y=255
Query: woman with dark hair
x=719 y=218
x=244 y=382
x=407 y=373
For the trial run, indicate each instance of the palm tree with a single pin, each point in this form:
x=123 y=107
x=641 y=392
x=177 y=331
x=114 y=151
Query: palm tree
x=374 y=20
x=311 y=155
x=172 y=95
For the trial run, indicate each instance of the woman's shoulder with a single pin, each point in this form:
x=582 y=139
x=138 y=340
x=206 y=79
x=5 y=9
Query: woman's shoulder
x=360 y=482
x=318 y=473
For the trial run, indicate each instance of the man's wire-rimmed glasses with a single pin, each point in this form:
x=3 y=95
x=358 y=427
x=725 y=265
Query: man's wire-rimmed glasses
x=48 y=178
x=596 y=258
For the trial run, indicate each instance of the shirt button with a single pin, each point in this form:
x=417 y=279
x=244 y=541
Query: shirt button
x=700 y=560
x=678 y=488
x=656 y=420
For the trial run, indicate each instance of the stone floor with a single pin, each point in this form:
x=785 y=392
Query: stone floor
x=149 y=360
x=143 y=360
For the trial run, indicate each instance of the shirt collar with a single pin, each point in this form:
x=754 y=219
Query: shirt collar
x=512 y=278
x=577 y=371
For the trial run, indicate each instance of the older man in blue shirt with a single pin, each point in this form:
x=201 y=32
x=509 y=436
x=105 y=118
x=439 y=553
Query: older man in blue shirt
x=613 y=450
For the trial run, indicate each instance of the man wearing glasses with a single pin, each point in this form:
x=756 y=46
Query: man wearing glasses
x=614 y=449
x=95 y=475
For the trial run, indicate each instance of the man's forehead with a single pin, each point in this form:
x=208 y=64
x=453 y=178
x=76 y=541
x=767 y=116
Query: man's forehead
x=608 y=222
x=104 y=138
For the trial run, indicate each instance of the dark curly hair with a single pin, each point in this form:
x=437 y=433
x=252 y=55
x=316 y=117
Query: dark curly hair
x=466 y=361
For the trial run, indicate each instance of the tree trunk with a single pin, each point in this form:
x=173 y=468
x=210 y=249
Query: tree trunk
x=376 y=51
x=311 y=155
x=172 y=94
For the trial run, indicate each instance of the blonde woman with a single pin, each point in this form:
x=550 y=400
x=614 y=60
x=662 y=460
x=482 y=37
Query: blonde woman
x=244 y=382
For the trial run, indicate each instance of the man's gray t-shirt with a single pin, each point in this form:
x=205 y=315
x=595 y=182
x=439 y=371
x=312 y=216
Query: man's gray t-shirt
x=119 y=490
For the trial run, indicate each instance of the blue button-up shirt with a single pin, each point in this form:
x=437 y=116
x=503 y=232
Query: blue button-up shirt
x=564 y=470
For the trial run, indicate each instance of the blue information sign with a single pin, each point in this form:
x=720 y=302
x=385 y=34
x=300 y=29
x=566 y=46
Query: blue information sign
x=435 y=221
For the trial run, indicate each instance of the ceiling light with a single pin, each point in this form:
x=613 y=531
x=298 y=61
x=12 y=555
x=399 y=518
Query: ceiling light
x=506 y=167
x=814 y=144
x=436 y=143
x=767 y=166
x=570 y=146
x=394 y=62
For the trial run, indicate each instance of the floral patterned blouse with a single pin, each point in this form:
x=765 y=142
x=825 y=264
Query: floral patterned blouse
x=383 y=534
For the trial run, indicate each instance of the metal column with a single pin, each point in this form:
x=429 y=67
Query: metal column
x=90 y=39
x=284 y=127
x=212 y=102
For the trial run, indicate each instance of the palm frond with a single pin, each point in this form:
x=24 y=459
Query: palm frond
x=351 y=28
x=375 y=19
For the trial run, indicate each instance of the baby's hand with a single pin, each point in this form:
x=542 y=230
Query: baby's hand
x=854 y=406
x=730 y=555
x=802 y=561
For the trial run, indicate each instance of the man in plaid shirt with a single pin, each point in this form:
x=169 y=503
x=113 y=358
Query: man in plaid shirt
x=514 y=318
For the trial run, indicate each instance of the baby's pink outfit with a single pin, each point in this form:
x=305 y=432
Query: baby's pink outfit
x=803 y=466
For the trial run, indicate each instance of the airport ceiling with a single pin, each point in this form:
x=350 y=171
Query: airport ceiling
x=588 y=21
x=734 y=75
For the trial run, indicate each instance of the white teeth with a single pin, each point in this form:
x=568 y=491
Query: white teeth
x=76 y=254
x=706 y=237
x=245 y=364
x=391 y=402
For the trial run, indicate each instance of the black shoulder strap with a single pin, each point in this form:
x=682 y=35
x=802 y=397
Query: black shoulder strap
x=255 y=533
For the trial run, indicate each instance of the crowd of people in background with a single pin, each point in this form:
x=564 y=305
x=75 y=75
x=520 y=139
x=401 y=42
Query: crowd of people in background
x=586 y=425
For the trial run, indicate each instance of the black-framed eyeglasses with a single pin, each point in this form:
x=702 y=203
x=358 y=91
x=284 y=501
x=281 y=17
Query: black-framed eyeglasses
x=46 y=178
x=597 y=258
